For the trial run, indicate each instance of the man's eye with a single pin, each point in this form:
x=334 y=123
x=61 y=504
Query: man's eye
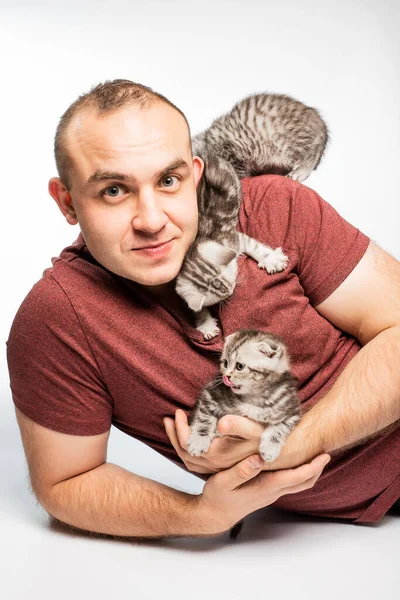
x=170 y=180
x=113 y=190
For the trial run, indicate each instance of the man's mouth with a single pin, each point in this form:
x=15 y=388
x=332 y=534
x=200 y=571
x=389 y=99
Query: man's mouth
x=152 y=246
x=155 y=250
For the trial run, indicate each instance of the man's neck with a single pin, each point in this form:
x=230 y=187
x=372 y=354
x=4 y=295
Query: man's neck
x=165 y=291
x=166 y=296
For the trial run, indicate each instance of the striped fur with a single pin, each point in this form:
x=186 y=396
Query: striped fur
x=264 y=133
x=257 y=363
x=208 y=274
x=268 y=133
x=268 y=395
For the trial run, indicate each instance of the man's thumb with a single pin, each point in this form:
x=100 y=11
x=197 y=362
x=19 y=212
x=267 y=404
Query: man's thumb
x=225 y=425
x=241 y=426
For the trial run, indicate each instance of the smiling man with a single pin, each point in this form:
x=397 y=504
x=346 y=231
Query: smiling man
x=137 y=216
x=103 y=339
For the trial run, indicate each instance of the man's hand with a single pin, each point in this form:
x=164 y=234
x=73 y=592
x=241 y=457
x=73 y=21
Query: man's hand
x=241 y=439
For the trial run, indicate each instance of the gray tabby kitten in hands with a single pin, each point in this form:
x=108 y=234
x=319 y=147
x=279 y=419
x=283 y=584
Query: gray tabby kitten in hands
x=255 y=382
x=264 y=133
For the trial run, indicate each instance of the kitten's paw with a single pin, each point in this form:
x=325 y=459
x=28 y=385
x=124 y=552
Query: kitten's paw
x=299 y=173
x=209 y=329
x=198 y=444
x=269 y=452
x=275 y=262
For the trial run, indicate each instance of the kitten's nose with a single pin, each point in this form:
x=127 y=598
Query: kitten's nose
x=226 y=381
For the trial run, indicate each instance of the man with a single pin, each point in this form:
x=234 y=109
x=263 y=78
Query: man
x=104 y=339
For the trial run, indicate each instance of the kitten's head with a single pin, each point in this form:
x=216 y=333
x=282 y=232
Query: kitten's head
x=208 y=275
x=249 y=357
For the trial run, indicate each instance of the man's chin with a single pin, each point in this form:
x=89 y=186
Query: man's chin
x=156 y=276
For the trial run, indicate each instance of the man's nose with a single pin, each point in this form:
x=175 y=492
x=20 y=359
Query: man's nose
x=149 y=216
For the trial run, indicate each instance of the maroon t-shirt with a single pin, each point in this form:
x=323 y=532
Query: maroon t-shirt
x=89 y=349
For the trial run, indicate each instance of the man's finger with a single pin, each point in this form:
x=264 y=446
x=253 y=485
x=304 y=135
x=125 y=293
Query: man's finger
x=241 y=426
x=305 y=485
x=169 y=425
x=290 y=477
x=183 y=430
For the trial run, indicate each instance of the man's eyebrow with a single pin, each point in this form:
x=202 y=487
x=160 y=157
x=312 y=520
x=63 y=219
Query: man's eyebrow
x=100 y=175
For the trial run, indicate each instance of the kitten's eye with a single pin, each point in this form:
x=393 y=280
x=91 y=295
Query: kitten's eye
x=224 y=363
x=240 y=366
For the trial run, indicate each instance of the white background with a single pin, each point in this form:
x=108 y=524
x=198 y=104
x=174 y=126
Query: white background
x=340 y=57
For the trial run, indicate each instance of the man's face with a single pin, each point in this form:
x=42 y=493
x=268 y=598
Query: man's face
x=133 y=187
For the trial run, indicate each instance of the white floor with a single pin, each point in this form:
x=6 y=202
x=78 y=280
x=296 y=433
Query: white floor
x=277 y=555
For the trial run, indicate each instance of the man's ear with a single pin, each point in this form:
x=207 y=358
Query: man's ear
x=61 y=195
x=198 y=168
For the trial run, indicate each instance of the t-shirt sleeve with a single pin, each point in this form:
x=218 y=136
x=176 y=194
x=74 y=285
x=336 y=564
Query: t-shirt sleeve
x=329 y=247
x=54 y=377
x=325 y=247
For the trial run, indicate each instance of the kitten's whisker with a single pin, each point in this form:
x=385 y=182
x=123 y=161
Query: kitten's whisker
x=240 y=280
x=216 y=383
x=226 y=301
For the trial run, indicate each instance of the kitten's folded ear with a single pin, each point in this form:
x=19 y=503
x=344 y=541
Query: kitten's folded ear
x=216 y=253
x=269 y=350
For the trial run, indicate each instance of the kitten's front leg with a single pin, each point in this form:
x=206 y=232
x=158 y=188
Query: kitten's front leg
x=301 y=172
x=269 y=259
x=274 y=437
x=206 y=324
x=203 y=426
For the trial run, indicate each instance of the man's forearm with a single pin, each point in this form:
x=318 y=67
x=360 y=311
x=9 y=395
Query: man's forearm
x=364 y=400
x=114 y=501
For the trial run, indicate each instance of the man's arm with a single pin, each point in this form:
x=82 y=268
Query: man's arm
x=114 y=501
x=76 y=486
x=365 y=399
x=72 y=480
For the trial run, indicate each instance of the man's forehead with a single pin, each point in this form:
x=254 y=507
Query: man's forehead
x=129 y=124
x=130 y=142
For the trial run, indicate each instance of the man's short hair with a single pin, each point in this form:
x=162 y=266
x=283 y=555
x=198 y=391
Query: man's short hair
x=104 y=97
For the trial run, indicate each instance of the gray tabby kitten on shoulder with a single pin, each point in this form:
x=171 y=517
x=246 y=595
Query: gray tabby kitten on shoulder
x=264 y=133
x=208 y=274
x=255 y=382
x=268 y=133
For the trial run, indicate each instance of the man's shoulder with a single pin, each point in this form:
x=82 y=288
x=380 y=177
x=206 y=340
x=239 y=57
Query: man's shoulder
x=280 y=211
x=75 y=264
x=281 y=201
x=279 y=192
x=267 y=207
x=76 y=277
x=73 y=279
x=269 y=183
x=45 y=302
